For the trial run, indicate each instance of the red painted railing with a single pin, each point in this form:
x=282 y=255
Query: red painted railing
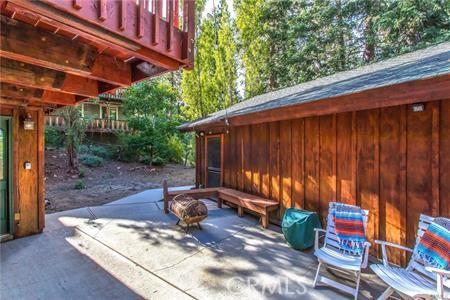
x=152 y=24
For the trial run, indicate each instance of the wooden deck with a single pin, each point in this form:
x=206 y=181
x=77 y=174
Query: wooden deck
x=97 y=46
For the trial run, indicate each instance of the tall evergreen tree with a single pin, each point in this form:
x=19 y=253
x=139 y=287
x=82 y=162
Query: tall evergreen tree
x=211 y=85
x=291 y=41
x=226 y=58
x=253 y=44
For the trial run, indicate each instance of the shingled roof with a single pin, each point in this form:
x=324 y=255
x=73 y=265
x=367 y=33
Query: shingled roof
x=422 y=64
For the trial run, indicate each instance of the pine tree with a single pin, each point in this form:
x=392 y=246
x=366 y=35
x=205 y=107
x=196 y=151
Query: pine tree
x=253 y=44
x=212 y=84
x=226 y=58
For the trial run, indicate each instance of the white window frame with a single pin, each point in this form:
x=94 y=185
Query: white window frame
x=108 y=110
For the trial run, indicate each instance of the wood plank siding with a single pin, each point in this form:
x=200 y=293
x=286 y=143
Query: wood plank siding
x=390 y=160
x=28 y=146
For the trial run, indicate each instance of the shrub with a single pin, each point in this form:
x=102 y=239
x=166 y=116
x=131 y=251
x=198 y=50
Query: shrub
x=79 y=185
x=84 y=149
x=174 y=149
x=145 y=160
x=101 y=151
x=82 y=173
x=91 y=160
x=158 y=161
x=54 y=138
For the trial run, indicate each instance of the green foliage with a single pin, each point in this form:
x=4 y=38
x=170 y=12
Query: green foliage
x=100 y=151
x=158 y=161
x=82 y=173
x=152 y=111
x=175 y=149
x=91 y=160
x=74 y=132
x=53 y=138
x=84 y=149
x=411 y=24
x=287 y=42
x=212 y=84
x=80 y=185
x=253 y=44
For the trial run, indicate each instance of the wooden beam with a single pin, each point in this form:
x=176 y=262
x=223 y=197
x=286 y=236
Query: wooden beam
x=58 y=98
x=146 y=70
x=13 y=102
x=23 y=42
x=19 y=92
x=20 y=73
x=11 y=91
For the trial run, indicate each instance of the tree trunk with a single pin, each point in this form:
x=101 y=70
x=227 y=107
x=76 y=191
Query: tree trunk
x=186 y=157
x=73 y=160
x=369 y=33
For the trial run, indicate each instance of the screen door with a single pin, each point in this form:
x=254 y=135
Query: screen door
x=213 y=161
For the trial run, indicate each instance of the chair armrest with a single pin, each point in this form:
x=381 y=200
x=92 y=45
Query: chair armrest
x=365 y=260
x=441 y=275
x=438 y=271
x=316 y=240
x=389 y=244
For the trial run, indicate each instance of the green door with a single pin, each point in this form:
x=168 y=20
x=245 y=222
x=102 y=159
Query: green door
x=4 y=176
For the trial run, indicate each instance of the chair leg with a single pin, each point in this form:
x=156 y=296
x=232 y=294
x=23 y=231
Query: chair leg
x=317 y=275
x=387 y=293
x=358 y=278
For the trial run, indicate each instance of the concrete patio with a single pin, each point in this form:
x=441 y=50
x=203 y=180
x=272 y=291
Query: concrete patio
x=129 y=249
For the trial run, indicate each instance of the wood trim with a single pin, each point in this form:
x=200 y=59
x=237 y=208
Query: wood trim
x=15 y=132
x=425 y=90
x=41 y=171
x=206 y=157
x=435 y=149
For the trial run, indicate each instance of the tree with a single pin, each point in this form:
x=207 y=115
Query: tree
x=211 y=84
x=226 y=59
x=152 y=113
x=287 y=42
x=254 y=45
x=410 y=24
x=74 y=132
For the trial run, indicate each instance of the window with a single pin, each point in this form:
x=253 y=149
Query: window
x=109 y=112
x=113 y=113
x=103 y=112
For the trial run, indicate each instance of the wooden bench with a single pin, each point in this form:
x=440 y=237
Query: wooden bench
x=259 y=205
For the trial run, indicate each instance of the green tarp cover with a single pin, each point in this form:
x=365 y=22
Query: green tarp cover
x=298 y=227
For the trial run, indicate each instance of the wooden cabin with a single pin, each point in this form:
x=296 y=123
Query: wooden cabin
x=377 y=136
x=56 y=53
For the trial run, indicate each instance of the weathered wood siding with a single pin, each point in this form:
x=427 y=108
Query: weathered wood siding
x=392 y=161
x=28 y=185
